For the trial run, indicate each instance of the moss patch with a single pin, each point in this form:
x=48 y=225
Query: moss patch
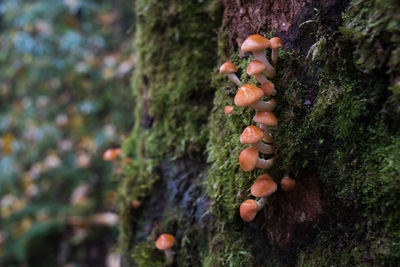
x=175 y=45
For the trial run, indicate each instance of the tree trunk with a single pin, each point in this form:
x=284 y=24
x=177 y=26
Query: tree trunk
x=338 y=135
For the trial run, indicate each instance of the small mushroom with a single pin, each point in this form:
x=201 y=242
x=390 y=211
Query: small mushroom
x=275 y=44
x=111 y=154
x=249 y=159
x=136 y=203
x=248 y=210
x=268 y=88
x=250 y=95
x=257 y=44
x=288 y=183
x=266 y=119
x=228 y=110
x=253 y=135
x=230 y=70
x=256 y=68
x=165 y=242
x=263 y=186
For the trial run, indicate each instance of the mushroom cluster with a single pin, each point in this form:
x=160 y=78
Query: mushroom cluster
x=258 y=136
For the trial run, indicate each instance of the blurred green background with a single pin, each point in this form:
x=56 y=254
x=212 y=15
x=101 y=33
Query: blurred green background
x=64 y=99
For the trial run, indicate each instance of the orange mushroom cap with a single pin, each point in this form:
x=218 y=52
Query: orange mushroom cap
x=228 y=110
x=117 y=151
x=247 y=95
x=109 y=155
x=255 y=67
x=248 y=210
x=248 y=159
x=228 y=67
x=265 y=117
x=263 y=186
x=288 y=183
x=275 y=42
x=268 y=88
x=136 y=203
x=165 y=241
x=255 y=43
x=251 y=135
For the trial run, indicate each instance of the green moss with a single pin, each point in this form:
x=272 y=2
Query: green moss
x=374 y=25
x=171 y=86
x=145 y=255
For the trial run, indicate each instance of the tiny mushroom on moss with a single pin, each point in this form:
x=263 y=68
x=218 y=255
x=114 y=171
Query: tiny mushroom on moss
x=111 y=154
x=165 y=243
x=266 y=119
x=228 y=110
x=249 y=159
x=263 y=186
x=256 y=68
x=229 y=68
x=288 y=183
x=253 y=135
x=258 y=44
x=275 y=44
x=136 y=203
x=250 y=95
x=248 y=210
x=268 y=88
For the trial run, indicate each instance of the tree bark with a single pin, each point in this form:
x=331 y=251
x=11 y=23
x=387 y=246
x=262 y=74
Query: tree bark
x=338 y=135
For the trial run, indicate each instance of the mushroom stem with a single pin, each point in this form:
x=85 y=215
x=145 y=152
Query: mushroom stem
x=265 y=148
x=261 y=78
x=261 y=203
x=169 y=256
x=274 y=56
x=264 y=163
x=259 y=55
x=268 y=138
x=264 y=105
x=234 y=79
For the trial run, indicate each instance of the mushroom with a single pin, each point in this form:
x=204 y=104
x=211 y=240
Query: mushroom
x=263 y=186
x=136 y=203
x=253 y=135
x=111 y=154
x=230 y=70
x=256 y=68
x=228 y=110
x=266 y=119
x=249 y=159
x=250 y=95
x=275 y=44
x=288 y=183
x=257 y=44
x=248 y=210
x=165 y=242
x=268 y=88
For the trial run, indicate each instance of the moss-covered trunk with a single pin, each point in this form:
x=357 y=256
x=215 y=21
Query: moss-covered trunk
x=338 y=134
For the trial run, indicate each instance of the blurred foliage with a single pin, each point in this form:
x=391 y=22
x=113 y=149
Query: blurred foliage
x=64 y=99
